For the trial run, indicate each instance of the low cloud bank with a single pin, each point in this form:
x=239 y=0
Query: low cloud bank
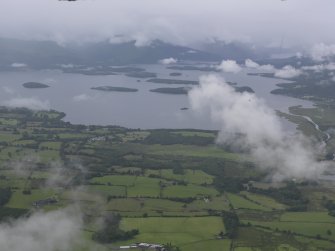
x=288 y=71
x=253 y=65
x=248 y=124
x=320 y=52
x=8 y=90
x=167 y=61
x=229 y=66
x=82 y=97
x=18 y=65
x=30 y=103
x=320 y=67
x=57 y=230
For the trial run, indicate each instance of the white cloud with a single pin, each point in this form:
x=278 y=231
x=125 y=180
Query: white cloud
x=288 y=72
x=248 y=123
x=167 y=61
x=253 y=65
x=320 y=67
x=57 y=230
x=229 y=66
x=30 y=103
x=267 y=67
x=59 y=174
x=18 y=65
x=322 y=51
x=299 y=55
x=49 y=81
x=8 y=90
x=82 y=97
x=66 y=66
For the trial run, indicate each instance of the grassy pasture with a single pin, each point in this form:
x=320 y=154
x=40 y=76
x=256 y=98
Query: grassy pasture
x=311 y=229
x=322 y=115
x=8 y=122
x=127 y=169
x=144 y=187
x=47 y=114
x=178 y=231
x=208 y=245
x=215 y=203
x=10 y=153
x=48 y=155
x=252 y=238
x=40 y=174
x=317 y=217
x=195 y=133
x=144 y=205
x=192 y=151
x=190 y=190
x=315 y=245
x=8 y=137
x=17 y=183
x=134 y=186
x=116 y=180
x=191 y=176
x=51 y=145
x=25 y=143
x=239 y=202
x=135 y=135
x=265 y=201
x=73 y=136
x=20 y=200
x=106 y=191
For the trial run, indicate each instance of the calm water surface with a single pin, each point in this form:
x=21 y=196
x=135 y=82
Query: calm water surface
x=71 y=94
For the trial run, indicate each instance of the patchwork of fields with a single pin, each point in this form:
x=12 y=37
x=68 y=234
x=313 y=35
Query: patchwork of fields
x=171 y=192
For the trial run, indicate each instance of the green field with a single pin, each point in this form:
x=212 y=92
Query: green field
x=239 y=202
x=179 y=231
x=116 y=180
x=195 y=133
x=319 y=217
x=311 y=229
x=192 y=151
x=144 y=187
x=107 y=190
x=190 y=176
x=20 y=200
x=264 y=201
x=188 y=191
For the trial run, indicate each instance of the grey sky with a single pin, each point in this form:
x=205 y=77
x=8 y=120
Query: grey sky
x=180 y=21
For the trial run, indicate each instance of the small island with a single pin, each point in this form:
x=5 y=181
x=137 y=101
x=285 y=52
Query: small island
x=140 y=74
x=34 y=85
x=167 y=90
x=172 y=81
x=175 y=74
x=244 y=89
x=231 y=83
x=114 y=89
x=193 y=68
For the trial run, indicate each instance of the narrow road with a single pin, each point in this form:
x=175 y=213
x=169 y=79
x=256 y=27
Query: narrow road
x=316 y=126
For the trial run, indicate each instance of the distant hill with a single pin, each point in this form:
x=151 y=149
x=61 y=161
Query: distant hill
x=36 y=54
x=47 y=54
x=293 y=61
x=233 y=50
x=127 y=53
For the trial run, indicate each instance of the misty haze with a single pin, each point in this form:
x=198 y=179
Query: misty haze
x=177 y=125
